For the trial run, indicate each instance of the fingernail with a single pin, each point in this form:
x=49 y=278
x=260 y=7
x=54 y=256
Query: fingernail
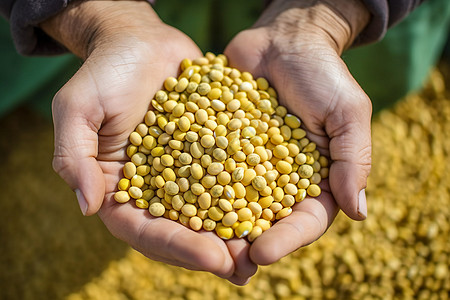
x=81 y=201
x=362 y=204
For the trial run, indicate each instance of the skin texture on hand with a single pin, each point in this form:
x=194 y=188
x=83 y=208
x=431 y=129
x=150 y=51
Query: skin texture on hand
x=128 y=53
x=296 y=45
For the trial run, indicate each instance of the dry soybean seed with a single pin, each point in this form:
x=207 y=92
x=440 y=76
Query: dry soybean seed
x=292 y=121
x=171 y=188
x=230 y=218
x=167 y=160
x=135 y=138
x=205 y=160
x=290 y=189
x=228 y=193
x=280 y=151
x=303 y=183
x=224 y=178
x=177 y=202
x=313 y=190
x=284 y=167
x=239 y=190
x=283 y=180
x=215 y=213
x=216 y=191
x=142 y=203
x=208 y=181
x=224 y=232
x=174 y=215
x=122 y=196
x=301 y=195
x=143 y=170
x=324 y=172
x=207 y=141
x=204 y=201
x=197 y=189
x=135 y=192
x=288 y=201
x=156 y=209
x=124 y=184
x=197 y=150
x=184 y=220
x=255 y=233
x=253 y=159
x=225 y=205
x=244 y=214
x=283 y=213
x=185 y=158
x=251 y=195
x=183 y=183
x=255 y=208
x=195 y=223
x=243 y=229
x=170 y=83
x=132 y=149
x=189 y=210
x=150 y=117
x=149 y=142
x=196 y=171
x=265 y=202
x=315 y=178
x=276 y=207
x=184 y=124
x=259 y=183
x=215 y=168
x=305 y=171
x=278 y=194
x=209 y=225
x=202 y=213
x=239 y=203
x=137 y=181
x=268 y=214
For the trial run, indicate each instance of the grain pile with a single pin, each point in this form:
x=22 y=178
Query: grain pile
x=400 y=252
x=217 y=152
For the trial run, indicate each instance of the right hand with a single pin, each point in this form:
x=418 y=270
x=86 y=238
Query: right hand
x=127 y=58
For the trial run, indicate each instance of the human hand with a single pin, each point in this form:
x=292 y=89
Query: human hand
x=128 y=53
x=296 y=45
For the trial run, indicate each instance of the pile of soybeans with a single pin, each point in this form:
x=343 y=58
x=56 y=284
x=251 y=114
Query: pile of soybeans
x=401 y=251
x=217 y=152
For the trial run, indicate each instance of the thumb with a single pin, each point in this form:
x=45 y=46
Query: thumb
x=348 y=127
x=76 y=148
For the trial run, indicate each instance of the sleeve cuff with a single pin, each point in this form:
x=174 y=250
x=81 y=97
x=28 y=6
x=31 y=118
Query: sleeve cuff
x=25 y=17
x=385 y=14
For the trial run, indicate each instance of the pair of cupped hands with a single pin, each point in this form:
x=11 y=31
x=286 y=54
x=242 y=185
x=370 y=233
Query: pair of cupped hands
x=128 y=52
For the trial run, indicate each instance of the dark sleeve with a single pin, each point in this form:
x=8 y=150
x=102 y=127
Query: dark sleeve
x=385 y=13
x=24 y=17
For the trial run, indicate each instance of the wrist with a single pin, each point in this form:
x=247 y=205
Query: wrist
x=85 y=25
x=339 y=22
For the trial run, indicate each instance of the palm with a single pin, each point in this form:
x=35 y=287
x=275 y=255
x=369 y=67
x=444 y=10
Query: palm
x=98 y=109
x=312 y=82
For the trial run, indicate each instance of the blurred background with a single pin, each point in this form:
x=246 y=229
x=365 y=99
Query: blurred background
x=48 y=250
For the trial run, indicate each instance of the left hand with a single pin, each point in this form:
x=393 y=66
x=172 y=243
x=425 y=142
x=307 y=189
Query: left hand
x=296 y=45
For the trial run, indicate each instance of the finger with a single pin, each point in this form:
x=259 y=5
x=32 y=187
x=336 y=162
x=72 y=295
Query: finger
x=247 y=58
x=348 y=126
x=76 y=148
x=165 y=240
x=309 y=220
x=244 y=267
